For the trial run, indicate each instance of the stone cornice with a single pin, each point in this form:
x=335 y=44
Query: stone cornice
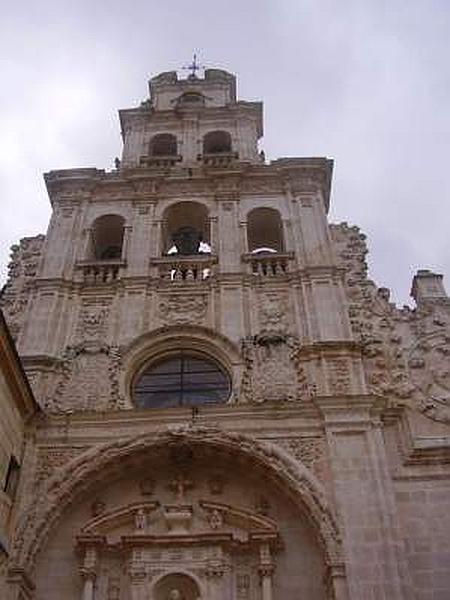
x=130 y=184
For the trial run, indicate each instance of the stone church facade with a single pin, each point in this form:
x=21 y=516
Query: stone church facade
x=230 y=408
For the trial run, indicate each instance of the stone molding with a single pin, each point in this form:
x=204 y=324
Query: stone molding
x=69 y=483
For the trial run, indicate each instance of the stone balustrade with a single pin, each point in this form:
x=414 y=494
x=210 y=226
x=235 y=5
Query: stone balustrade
x=101 y=271
x=219 y=159
x=268 y=264
x=164 y=162
x=195 y=268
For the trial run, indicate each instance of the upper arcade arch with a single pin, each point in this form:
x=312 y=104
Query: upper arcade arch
x=107 y=234
x=217 y=142
x=186 y=228
x=163 y=144
x=265 y=230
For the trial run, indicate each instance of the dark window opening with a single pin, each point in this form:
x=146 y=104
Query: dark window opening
x=163 y=144
x=183 y=380
x=217 y=142
x=186 y=229
x=107 y=237
x=265 y=230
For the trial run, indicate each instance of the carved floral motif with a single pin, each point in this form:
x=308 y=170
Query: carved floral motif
x=308 y=450
x=405 y=351
x=22 y=269
x=51 y=459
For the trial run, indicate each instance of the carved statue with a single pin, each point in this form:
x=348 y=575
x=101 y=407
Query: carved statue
x=175 y=594
x=140 y=520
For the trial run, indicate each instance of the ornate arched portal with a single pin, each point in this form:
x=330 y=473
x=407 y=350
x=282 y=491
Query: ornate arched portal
x=238 y=515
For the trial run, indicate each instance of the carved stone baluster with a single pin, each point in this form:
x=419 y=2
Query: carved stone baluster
x=279 y=268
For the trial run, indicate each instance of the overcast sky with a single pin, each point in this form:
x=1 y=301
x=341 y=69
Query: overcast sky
x=366 y=82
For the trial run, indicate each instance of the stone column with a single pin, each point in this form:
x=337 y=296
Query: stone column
x=86 y=252
x=244 y=237
x=88 y=573
x=336 y=582
x=138 y=577
x=213 y=234
x=214 y=575
x=126 y=240
x=89 y=584
x=265 y=570
x=265 y=573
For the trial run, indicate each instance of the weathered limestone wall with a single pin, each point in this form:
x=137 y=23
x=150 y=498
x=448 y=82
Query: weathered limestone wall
x=336 y=431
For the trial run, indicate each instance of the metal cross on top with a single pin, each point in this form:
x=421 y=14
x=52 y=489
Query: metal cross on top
x=193 y=67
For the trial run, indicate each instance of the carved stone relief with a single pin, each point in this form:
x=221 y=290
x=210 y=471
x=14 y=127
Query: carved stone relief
x=88 y=379
x=25 y=260
x=92 y=321
x=272 y=370
x=308 y=450
x=51 y=459
x=405 y=351
x=429 y=370
x=183 y=309
x=273 y=312
x=339 y=379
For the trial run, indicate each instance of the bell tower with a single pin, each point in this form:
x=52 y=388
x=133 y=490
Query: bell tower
x=190 y=122
x=224 y=392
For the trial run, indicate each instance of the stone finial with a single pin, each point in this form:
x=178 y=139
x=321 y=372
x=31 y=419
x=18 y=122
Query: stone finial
x=427 y=285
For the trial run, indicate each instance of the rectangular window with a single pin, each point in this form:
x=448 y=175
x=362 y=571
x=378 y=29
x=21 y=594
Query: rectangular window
x=12 y=478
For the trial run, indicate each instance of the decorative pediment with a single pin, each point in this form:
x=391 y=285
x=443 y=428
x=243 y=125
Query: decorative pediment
x=126 y=518
x=157 y=523
x=225 y=516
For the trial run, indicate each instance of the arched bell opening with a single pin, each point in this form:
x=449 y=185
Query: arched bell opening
x=265 y=231
x=186 y=229
x=217 y=142
x=207 y=502
x=107 y=234
x=163 y=144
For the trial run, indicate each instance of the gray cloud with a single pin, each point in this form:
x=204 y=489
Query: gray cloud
x=365 y=82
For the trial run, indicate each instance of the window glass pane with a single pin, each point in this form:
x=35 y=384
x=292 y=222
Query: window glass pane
x=158 y=399
x=195 y=365
x=172 y=365
x=181 y=380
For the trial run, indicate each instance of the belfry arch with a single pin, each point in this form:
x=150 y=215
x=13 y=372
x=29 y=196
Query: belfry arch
x=80 y=478
x=186 y=228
